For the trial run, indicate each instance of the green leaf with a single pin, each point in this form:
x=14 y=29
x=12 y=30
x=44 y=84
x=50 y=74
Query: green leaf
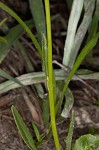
x=70 y=133
x=69 y=101
x=36 y=132
x=45 y=54
x=79 y=59
x=94 y=23
x=86 y=142
x=74 y=18
x=2 y=39
x=3 y=21
x=37 y=10
x=22 y=50
x=83 y=71
x=14 y=34
x=12 y=13
x=93 y=28
x=39 y=77
x=46 y=111
x=82 y=30
x=23 y=130
x=7 y=76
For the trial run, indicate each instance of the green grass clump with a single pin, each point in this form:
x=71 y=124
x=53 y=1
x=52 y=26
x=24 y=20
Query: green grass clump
x=71 y=58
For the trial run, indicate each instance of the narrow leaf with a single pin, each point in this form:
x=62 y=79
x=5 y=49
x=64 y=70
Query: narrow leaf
x=37 y=10
x=3 y=21
x=39 y=77
x=81 y=31
x=45 y=54
x=46 y=111
x=12 y=13
x=23 y=130
x=72 y=27
x=68 y=103
x=36 y=132
x=14 y=34
x=22 y=50
x=80 y=58
x=70 y=133
x=7 y=76
x=93 y=28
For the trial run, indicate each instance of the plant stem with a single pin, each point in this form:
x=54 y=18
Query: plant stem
x=50 y=76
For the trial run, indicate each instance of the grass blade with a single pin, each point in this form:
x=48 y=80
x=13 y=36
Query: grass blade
x=80 y=58
x=69 y=101
x=14 y=34
x=23 y=130
x=39 y=77
x=70 y=133
x=22 y=51
x=46 y=111
x=12 y=13
x=94 y=23
x=7 y=76
x=36 y=132
x=3 y=21
x=72 y=27
x=45 y=54
x=38 y=17
x=81 y=32
x=93 y=28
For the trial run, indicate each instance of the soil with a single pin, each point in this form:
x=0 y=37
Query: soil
x=86 y=99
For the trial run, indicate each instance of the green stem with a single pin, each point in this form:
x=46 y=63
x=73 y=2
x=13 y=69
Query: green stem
x=50 y=76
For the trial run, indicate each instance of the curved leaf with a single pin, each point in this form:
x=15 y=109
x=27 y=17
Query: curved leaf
x=78 y=61
x=7 y=76
x=24 y=132
x=14 y=34
x=68 y=103
x=3 y=21
x=12 y=13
